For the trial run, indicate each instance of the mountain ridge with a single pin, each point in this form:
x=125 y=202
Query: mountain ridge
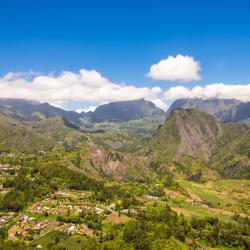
x=226 y=110
x=123 y=111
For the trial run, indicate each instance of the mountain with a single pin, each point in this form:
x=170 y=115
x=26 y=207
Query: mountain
x=225 y=110
x=240 y=112
x=191 y=141
x=25 y=110
x=187 y=132
x=123 y=111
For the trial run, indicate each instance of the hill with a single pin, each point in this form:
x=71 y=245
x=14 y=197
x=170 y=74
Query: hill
x=18 y=137
x=46 y=134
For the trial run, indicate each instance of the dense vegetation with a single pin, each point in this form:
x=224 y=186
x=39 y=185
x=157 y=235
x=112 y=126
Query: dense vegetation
x=40 y=175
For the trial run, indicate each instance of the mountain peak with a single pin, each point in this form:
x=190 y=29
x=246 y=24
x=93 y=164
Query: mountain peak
x=188 y=132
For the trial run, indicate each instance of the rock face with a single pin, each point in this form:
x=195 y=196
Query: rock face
x=198 y=132
x=125 y=111
x=225 y=110
x=118 y=166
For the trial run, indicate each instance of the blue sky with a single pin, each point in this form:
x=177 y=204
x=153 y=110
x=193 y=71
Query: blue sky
x=122 y=39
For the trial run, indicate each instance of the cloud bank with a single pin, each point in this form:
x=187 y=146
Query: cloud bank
x=215 y=90
x=87 y=89
x=85 y=86
x=180 y=68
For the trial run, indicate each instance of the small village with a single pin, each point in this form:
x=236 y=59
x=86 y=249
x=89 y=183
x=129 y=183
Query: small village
x=57 y=212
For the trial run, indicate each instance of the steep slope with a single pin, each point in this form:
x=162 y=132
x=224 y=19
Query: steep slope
x=232 y=158
x=45 y=134
x=239 y=113
x=184 y=144
x=61 y=131
x=125 y=111
x=187 y=132
x=97 y=162
x=18 y=137
x=225 y=110
x=191 y=143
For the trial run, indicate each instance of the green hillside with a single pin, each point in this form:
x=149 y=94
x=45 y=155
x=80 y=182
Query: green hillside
x=232 y=159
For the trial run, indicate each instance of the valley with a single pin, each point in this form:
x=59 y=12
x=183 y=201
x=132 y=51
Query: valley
x=143 y=180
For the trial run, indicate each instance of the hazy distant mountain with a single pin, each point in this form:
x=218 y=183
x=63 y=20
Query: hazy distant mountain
x=223 y=109
x=33 y=111
x=125 y=111
x=240 y=112
x=115 y=111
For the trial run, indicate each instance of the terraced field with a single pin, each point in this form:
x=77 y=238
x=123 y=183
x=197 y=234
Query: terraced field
x=222 y=198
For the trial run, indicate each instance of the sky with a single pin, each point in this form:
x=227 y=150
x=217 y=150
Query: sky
x=80 y=54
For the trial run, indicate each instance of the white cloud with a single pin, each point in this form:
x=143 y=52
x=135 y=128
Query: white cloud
x=160 y=104
x=180 y=68
x=15 y=75
x=91 y=108
x=218 y=90
x=85 y=86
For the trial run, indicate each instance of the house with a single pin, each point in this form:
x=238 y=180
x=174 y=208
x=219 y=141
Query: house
x=71 y=229
x=151 y=197
x=98 y=210
x=128 y=211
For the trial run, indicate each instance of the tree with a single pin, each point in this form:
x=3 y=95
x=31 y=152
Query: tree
x=135 y=234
